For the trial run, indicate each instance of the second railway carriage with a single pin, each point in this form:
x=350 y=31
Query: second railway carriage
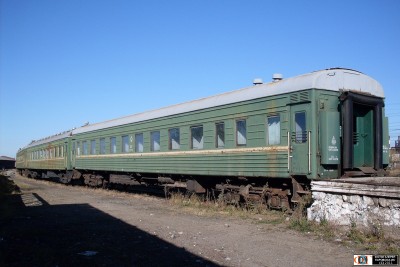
x=264 y=141
x=44 y=157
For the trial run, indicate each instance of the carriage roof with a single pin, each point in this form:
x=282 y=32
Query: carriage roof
x=335 y=79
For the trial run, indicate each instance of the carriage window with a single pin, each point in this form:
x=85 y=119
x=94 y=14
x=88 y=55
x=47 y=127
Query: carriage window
x=78 y=148
x=85 y=147
x=241 y=139
x=113 y=145
x=174 y=138
x=301 y=132
x=220 y=135
x=274 y=130
x=102 y=146
x=155 y=141
x=93 y=147
x=197 y=140
x=62 y=151
x=139 y=142
x=125 y=144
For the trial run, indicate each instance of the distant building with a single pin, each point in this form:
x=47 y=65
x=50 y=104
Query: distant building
x=395 y=154
x=7 y=163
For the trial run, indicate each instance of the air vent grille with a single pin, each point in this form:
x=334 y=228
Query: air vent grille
x=304 y=96
x=300 y=97
x=294 y=98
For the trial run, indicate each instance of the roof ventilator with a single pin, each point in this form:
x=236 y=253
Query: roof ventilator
x=257 y=81
x=276 y=77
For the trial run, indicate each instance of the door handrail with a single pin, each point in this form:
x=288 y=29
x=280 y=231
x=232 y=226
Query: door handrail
x=309 y=151
x=288 y=152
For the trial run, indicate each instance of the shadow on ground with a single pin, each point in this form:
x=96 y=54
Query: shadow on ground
x=38 y=234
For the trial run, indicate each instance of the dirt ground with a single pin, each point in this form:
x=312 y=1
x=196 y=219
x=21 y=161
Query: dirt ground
x=55 y=225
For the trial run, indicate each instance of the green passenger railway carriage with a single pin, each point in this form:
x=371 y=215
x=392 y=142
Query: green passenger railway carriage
x=264 y=142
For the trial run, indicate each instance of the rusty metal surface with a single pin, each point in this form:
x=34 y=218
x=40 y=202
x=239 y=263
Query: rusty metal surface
x=194 y=186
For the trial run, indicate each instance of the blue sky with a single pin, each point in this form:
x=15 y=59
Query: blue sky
x=63 y=63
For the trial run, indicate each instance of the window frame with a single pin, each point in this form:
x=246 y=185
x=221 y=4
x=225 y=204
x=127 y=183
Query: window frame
x=216 y=135
x=271 y=116
x=237 y=131
x=152 y=135
x=78 y=148
x=93 y=147
x=300 y=136
x=85 y=148
x=125 y=144
x=136 y=142
x=102 y=143
x=202 y=137
x=113 y=145
x=170 y=138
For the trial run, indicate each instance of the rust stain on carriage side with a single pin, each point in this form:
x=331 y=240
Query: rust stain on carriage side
x=194 y=152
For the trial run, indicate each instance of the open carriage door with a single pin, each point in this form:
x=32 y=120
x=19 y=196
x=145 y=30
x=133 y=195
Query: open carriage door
x=362 y=139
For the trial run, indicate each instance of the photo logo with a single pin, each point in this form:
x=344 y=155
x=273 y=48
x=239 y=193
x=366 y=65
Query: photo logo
x=362 y=259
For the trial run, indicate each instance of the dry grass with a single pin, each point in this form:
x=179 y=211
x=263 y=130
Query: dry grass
x=195 y=204
x=374 y=238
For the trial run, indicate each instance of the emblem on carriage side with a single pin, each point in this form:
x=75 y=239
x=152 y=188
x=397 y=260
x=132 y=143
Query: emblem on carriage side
x=333 y=140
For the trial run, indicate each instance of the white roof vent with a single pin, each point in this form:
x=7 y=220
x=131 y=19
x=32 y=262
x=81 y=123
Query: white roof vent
x=257 y=81
x=276 y=77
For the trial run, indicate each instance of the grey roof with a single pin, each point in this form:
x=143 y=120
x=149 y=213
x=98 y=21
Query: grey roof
x=49 y=139
x=335 y=79
x=6 y=158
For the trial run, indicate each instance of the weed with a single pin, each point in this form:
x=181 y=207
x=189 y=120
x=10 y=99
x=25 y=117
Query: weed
x=371 y=238
x=302 y=225
x=355 y=234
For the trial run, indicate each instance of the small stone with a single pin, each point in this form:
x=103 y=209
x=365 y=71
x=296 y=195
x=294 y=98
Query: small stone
x=226 y=225
x=355 y=199
x=368 y=201
x=383 y=202
x=227 y=259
